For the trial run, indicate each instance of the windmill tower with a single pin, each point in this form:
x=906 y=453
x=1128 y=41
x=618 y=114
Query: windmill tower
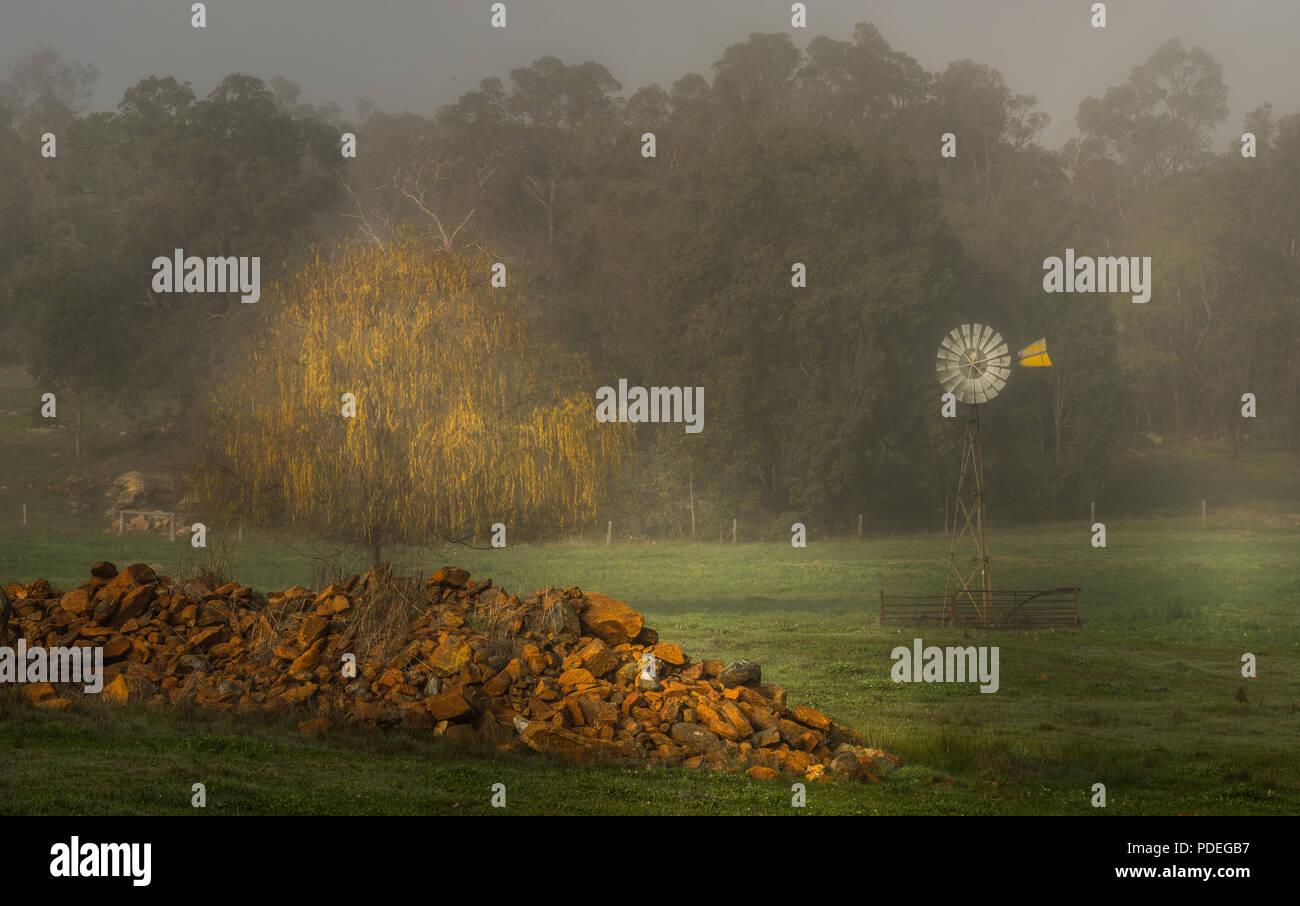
x=973 y=365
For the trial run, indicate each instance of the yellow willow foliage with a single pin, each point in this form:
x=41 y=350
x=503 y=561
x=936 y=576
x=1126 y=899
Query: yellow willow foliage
x=463 y=419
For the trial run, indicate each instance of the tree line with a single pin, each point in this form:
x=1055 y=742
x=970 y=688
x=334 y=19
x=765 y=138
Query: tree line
x=676 y=269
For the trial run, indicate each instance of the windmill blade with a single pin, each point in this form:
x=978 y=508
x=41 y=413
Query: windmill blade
x=973 y=363
x=949 y=355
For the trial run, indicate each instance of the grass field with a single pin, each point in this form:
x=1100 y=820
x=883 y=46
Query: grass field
x=1146 y=697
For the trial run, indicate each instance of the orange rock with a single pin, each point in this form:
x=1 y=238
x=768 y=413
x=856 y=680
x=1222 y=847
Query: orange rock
x=715 y=722
x=314 y=726
x=797 y=762
x=205 y=638
x=135 y=602
x=596 y=657
x=450 y=656
x=223 y=650
x=758 y=772
x=669 y=653
x=77 y=601
x=576 y=677
x=117 y=691
x=812 y=718
x=112 y=591
x=609 y=619
x=545 y=737
x=498 y=684
x=312 y=629
x=534 y=658
x=450 y=577
x=296 y=695
x=389 y=678
x=735 y=718
x=308 y=660
x=596 y=712
x=332 y=605
x=35 y=693
x=695 y=737
x=447 y=706
x=116 y=647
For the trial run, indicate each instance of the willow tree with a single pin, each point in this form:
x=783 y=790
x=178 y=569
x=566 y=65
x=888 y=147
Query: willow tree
x=458 y=417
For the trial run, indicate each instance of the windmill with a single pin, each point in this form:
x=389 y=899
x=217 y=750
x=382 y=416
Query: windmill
x=973 y=365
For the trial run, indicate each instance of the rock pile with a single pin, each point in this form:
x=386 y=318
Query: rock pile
x=565 y=671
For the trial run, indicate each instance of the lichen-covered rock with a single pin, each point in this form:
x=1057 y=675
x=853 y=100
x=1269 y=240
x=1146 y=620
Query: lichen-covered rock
x=562 y=671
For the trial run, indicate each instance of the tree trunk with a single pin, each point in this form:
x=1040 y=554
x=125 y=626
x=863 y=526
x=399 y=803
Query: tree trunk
x=1178 y=416
x=550 y=208
x=1058 y=420
x=76 y=403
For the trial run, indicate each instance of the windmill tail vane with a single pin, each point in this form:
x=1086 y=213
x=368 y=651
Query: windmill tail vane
x=1035 y=355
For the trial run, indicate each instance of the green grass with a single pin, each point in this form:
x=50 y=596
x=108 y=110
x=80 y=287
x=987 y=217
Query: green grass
x=132 y=761
x=1143 y=697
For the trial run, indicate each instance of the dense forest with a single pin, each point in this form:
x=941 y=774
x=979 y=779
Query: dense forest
x=676 y=269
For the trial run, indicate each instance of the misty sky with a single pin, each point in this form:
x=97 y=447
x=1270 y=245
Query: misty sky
x=418 y=54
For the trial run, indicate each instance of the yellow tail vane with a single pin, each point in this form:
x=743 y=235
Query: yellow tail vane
x=1035 y=355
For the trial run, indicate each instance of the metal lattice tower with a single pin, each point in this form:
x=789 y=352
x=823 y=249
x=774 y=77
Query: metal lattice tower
x=973 y=365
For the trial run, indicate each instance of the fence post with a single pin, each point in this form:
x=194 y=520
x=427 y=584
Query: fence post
x=1202 y=512
x=1092 y=514
x=882 y=607
x=860 y=530
x=24 y=515
x=692 y=480
x=171 y=528
x=609 y=533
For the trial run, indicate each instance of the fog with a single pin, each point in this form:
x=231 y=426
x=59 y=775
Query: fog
x=412 y=55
